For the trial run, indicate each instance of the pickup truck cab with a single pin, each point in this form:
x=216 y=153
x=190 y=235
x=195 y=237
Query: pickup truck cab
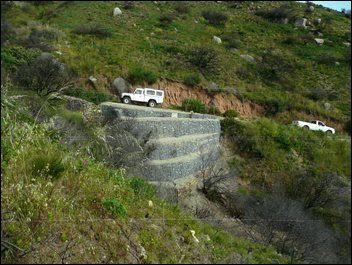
x=144 y=95
x=314 y=126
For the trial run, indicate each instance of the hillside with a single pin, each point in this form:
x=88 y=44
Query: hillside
x=275 y=194
x=150 y=40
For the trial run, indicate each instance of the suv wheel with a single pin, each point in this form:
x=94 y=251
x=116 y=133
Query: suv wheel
x=306 y=127
x=152 y=103
x=126 y=100
x=329 y=132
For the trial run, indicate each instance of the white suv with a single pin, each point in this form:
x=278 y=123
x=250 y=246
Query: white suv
x=146 y=95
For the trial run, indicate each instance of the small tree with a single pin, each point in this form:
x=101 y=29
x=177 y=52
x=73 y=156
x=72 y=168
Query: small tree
x=44 y=75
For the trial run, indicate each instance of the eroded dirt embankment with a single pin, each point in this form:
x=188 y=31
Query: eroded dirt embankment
x=176 y=92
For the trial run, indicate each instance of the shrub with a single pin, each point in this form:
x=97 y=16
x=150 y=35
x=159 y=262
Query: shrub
x=231 y=41
x=276 y=14
x=205 y=59
x=41 y=38
x=47 y=164
x=274 y=64
x=96 y=97
x=182 y=7
x=214 y=18
x=165 y=20
x=44 y=75
x=192 y=80
x=7 y=32
x=193 y=104
x=231 y=113
x=326 y=59
x=140 y=75
x=141 y=187
x=12 y=57
x=275 y=106
x=115 y=207
x=93 y=29
x=129 y=4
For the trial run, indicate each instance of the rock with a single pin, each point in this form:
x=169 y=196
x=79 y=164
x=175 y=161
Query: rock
x=117 y=12
x=77 y=104
x=327 y=106
x=301 y=23
x=120 y=86
x=58 y=52
x=216 y=39
x=337 y=63
x=247 y=57
x=213 y=87
x=150 y=204
x=285 y=20
x=92 y=79
x=347 y=44
x=319 y=41
x=318 y=21
x=143 y=253
x=311 y=8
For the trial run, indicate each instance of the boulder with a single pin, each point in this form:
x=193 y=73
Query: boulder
x=301 y=23
x=346 y=44
x=311 y=8
x=319 y=41
x=213 y=87
x=247 y=57
x=327 y=106
x=92 y=79
x=117 y=12
x=318 y=21
x=77 y=104
x=216 y=39
x=120 y=86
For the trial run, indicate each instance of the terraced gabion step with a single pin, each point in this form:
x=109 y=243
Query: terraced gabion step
x=118 y=110
x=181 y=166
x=171 y=147
x=169 y=127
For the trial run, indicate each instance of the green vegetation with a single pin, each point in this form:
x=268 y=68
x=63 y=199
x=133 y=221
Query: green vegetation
x=52 y=191
x=288 y=63
x=310 y=167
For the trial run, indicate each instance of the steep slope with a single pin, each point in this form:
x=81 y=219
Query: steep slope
x=260 y=56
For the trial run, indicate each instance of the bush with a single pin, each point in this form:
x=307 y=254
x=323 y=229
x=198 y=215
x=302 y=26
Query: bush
x=231 y=41
x=326 y=59
x=44 y=75
x=115 y=207
x=96 y=97
x=142 y=188
x=231 y=113
x=214 y=18
x=41 y=38
x=165 y=20
x=12 y=57
x=7 y=32
x=182 y=7
x=192 y=80
x=274 y=64
x=193 y=104
x=276 y=14
x=275 y=106
x=205 y=59
x=140 y=75
x=129 y=4
x=47 y=164
x=93 y=29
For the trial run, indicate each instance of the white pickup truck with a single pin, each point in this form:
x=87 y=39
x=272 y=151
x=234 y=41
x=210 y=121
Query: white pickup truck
x=146 y=95
x=314 y=126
